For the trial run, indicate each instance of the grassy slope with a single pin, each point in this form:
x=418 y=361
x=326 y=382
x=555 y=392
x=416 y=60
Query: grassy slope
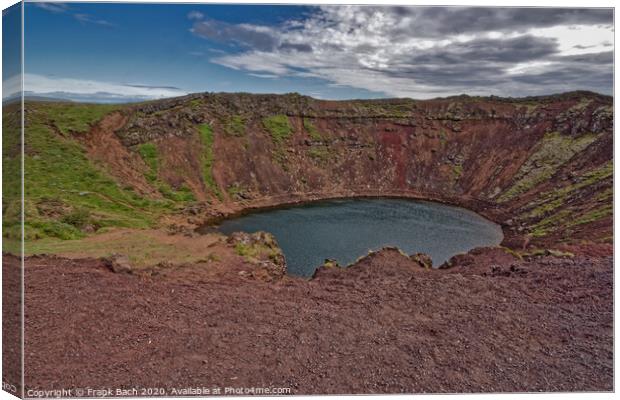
x=65 y=192
x=11 y=175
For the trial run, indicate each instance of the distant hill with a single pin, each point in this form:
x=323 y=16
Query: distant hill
x=15 y=99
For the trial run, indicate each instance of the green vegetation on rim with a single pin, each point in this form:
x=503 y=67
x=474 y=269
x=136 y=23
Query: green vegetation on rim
x=149 y=153
x=235 y=126
x=67 y=194
x=581 y=105
x=551 y=223
x=76 y=118
x=182 y=194
x=594 y=215
x=206 y=138
x=278 y=127
x=195 y=103
x=320 y=154
x=400 y=108
x=79 y=218
x=530 y=107
x=313 y=132
x=550 y=201
x=59 y=174
x=550 y=154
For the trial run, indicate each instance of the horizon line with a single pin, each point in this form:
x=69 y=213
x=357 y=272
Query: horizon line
x=56 y=99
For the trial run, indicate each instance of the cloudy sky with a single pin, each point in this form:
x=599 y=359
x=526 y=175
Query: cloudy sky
x=118 y=52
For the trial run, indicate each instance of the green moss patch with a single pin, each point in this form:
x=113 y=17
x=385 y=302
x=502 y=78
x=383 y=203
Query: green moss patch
x=148 y=152
x=206 y=139
x=594 y=215
x=320 y=154
x=255 y=251
x=235 y=126
x=278 y=127
x=550 y=153
x=458 y=171
x=182 y=194
x=566 y=219
x=313 y=132
x=195 y=103
x=549 y=224
x=401 y=108
x=549 y=201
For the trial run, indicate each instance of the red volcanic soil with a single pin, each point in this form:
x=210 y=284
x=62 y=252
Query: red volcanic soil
x=385 y=325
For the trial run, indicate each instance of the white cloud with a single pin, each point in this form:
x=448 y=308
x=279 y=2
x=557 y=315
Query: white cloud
x=88 y=19
x=256 y=61
x=528 y=67
x=79 y=88
x=195 y=15
x=12 y=86
x=394 y=51
x=579 y=39
x=53 y=7
x=59 y=8
x=264 y=76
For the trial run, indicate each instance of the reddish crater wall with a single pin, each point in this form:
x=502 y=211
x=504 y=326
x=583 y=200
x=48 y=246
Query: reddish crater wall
x=526 y=163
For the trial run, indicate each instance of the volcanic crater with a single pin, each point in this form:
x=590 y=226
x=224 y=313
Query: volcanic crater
x=171 y=305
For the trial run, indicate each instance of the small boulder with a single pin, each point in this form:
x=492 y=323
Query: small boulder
x=262 y=250
x=118 y=263
x=328 y=265
x=459 y=260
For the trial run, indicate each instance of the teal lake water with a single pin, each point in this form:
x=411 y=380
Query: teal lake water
x=347 y=229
